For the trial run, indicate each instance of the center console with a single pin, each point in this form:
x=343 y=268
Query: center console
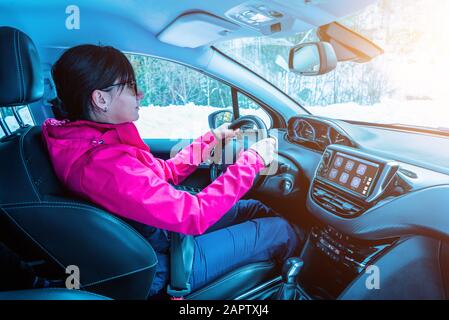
x=348 y=181
x=332 y=260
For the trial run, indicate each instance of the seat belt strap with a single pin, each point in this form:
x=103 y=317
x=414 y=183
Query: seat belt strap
x=181 y=262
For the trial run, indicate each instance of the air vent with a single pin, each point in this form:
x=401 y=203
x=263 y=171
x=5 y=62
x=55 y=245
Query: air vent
x=335 y=202
x=408 y=173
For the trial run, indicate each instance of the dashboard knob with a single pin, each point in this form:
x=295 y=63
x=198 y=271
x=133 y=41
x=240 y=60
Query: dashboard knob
x=286 y=185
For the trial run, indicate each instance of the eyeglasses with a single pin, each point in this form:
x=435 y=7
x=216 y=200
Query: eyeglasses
x=130 y=84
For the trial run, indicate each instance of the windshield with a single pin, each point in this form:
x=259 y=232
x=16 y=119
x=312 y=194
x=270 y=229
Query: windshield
x=405 y=85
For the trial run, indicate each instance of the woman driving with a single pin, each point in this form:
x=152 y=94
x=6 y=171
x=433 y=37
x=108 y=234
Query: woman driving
x=97 y=153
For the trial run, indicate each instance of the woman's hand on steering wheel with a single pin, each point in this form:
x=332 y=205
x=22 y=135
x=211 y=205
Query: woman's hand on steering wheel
x=227 y=131
x=266 y=149
x=224 y=133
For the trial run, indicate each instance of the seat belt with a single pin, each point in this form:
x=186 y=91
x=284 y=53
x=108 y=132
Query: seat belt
x=181 y=262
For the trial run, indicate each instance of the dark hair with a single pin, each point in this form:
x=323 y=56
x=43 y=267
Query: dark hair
x=81 y=70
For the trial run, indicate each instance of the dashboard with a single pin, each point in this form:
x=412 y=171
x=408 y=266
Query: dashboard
x=363 y=179
x=372 y=195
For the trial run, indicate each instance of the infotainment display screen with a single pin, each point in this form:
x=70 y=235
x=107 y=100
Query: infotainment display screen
x=352 y=173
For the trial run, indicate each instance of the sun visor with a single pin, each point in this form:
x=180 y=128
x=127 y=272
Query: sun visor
x=196 y=29
x=348 y=44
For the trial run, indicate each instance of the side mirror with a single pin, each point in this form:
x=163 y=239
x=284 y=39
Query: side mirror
x=217 y=118
x=312 y=59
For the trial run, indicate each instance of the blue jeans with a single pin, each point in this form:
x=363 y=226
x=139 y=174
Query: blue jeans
x=249 y=232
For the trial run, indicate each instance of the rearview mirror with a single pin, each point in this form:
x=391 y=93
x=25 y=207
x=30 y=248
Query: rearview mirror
x=312 y=59
x=219 y=117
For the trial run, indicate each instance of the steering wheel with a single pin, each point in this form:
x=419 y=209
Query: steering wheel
x=246 y=125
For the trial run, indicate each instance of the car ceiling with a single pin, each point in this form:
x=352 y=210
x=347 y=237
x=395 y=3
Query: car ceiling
x=106 y=21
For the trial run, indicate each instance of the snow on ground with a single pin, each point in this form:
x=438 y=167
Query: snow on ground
x=190 y=121
x=425 y=113
x=173 y=122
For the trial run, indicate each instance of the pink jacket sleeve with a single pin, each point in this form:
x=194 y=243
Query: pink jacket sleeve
x=187 y=160
x=132 y=190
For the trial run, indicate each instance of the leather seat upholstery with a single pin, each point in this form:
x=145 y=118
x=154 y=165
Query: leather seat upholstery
x=21 y=80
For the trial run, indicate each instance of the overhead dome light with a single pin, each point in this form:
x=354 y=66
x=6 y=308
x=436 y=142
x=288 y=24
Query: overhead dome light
x=252 y=17
x=261 y=15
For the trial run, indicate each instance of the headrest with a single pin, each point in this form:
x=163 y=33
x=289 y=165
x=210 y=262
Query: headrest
x=21 y=80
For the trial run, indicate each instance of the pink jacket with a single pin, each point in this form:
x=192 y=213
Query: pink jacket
x=111 y=166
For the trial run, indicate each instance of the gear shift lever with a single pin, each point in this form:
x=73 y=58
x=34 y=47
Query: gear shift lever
x=290 y=271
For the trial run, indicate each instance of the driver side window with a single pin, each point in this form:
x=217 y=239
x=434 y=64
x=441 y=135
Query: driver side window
x=177 y=99
x=248 y=106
